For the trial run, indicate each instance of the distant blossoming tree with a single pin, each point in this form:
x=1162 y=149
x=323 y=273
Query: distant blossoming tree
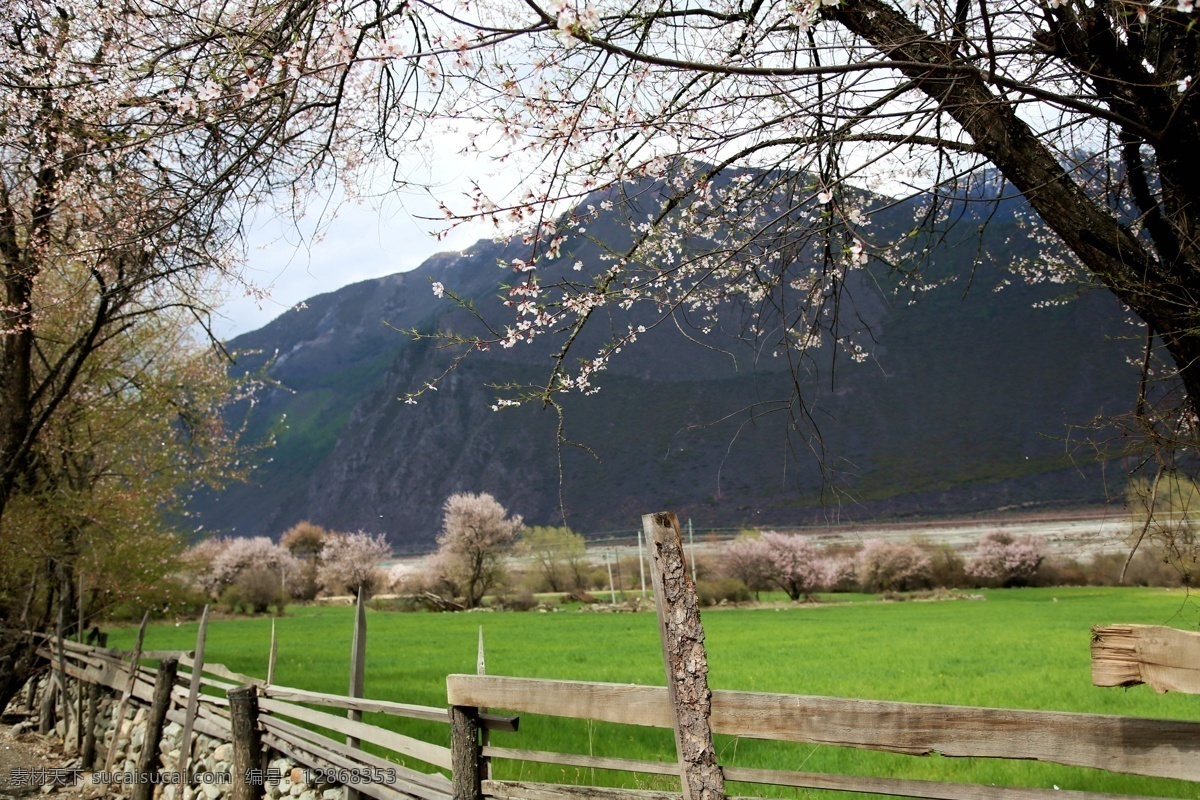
x=477 y=534
x=1006 y=560
x=349 y=561
x=257 y=552
x=797 y=565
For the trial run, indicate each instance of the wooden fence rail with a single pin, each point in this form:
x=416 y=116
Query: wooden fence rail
x=1158 y=748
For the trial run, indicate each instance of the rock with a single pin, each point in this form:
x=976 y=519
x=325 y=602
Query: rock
x=211 y=791
x=224 y=752
x=333 y=794
x=296 y=775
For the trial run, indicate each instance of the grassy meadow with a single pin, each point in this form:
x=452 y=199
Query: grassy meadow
x=1017 y=648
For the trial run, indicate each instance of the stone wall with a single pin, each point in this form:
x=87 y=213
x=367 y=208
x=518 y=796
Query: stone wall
x=211 y=764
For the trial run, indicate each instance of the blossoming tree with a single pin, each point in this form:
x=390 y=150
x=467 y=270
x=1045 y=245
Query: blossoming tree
x=751 y=144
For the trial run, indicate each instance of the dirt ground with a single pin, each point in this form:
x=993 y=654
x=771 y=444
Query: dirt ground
x=28 y=761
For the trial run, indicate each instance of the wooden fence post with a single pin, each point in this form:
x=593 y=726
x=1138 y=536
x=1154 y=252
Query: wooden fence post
x=79 y=634
x=89 y=738
x=358 y=668
x=119 y=720
x=164 y=682
x=64 y=697
x=271 y=656
x=485 y=735
x=46 y=712
x=685 y=659
x=193 y=702
x=465 y=773
x=247 y=742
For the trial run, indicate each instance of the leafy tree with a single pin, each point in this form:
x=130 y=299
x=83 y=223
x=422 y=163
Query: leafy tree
x=144 y=426
x=558 y=555
x=134 y=139
x=1005 y=560
x=477 y=534
x=304 y=540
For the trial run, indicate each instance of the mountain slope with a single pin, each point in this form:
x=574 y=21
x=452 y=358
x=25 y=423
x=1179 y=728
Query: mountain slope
x=964 y=407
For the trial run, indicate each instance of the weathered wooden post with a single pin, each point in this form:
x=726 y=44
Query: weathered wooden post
x=134 y=661
x=89 y=740
x=79 y=635
x=193 y=702
x=88 y=758
x=271 y=657
x=247 y=741
x=46 y=712
x=481 y=669
x=164 y=682
x=466 y=774
x=64 y=697
x=685 y=659
x=358 y=668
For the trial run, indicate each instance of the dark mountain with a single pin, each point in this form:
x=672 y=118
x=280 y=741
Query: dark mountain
x=966 y=406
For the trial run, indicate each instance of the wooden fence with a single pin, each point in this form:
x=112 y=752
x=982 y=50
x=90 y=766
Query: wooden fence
x=1151 y=747
x=285 y=717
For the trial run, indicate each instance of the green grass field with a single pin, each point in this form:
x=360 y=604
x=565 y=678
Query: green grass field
x=1025 y=648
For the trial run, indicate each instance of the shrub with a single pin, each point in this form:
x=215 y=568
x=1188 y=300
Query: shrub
x=260 y=588
x=727 y=590
x=1004 y=560
x=519 y=601
x=946 y=567
x=893 y=567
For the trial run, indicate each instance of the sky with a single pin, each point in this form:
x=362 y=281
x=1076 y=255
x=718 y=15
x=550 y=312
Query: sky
x=391 y=232
x=363 y=241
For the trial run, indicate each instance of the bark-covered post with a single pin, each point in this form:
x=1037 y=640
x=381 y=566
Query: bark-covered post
x=46 y=712
x=684 y=657
x=466 y=774
x=247 y=741
x=164 y=682
x=88 y=758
